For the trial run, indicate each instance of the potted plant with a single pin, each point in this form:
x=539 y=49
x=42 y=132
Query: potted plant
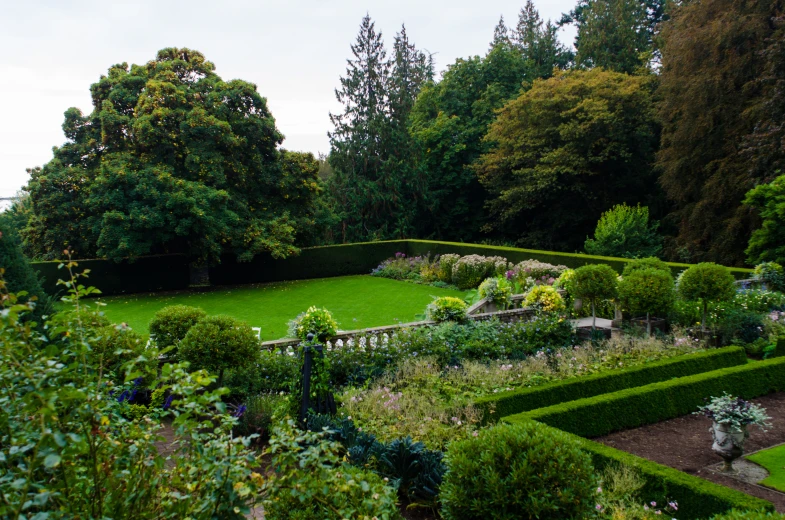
x=647 y=291
x=731 y=416
x=594 y=283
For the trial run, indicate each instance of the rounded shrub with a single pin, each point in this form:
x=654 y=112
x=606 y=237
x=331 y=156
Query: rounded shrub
x=771 y=274
x=518 y=471
x=316 y=321
x=546 y=298
x=446 y=308
x=706 y=282
x=647 y=291
x=470 y=270
x=446 y=263
x=217 y=343
x=498 y=290
x=170 y=325
x=651 y=262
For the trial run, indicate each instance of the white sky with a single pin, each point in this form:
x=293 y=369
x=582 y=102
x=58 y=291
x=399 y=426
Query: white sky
x=294 y=51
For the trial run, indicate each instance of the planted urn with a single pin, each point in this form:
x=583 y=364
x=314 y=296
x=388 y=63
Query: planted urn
x=731 y=416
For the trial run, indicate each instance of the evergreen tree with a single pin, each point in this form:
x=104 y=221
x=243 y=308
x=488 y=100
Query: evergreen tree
x=539 y=44
x=501 y=34
x=403 y=178
x=712 y=101
x=18 y=274
x=357 y=144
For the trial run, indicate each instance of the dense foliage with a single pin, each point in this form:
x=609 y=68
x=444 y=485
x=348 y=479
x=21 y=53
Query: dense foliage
x=172 y=159
x=647 y=291
x=706 y=282
x=581 y=139
x=170 y=325
x=446 y=308
x=767 y=242
x=19 y=275
x=594 y=283
x=626 y=232
x=316 y=321
x=518 y=471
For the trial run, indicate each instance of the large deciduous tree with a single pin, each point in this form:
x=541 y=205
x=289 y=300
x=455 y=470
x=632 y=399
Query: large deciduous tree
x=172 y=159
x=717 y=127
x=565 y=151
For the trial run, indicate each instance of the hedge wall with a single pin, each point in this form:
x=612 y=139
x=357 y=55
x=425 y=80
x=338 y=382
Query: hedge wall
x=509 y=403
x=697 y=498
x=170 y=272
x=312 y=262
x=633 y=407
x=514 y=254
x=146 y=274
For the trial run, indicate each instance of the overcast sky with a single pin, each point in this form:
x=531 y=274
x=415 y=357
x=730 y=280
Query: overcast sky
x=294 y=51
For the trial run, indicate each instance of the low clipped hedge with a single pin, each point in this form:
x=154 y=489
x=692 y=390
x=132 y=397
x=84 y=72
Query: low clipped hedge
x=633 y=407
x=697 y=498
x=517 y=401
x=514 y=254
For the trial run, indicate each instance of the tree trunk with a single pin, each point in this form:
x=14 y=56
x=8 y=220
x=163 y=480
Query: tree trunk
x=648 y=325
x=703 y=321
x=200 y=274
x=593 y=318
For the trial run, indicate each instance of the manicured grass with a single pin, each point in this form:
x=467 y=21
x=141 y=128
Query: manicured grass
x=773 y=460
x=355 y=302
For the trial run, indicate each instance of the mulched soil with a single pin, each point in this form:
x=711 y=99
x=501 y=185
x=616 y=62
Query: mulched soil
x=685 y=444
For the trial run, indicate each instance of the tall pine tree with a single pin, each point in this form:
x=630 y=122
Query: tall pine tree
x=539 y=44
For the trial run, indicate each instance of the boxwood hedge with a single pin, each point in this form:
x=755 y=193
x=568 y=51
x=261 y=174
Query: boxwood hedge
x=697 y=498
x=633 y=407
x=517 y=401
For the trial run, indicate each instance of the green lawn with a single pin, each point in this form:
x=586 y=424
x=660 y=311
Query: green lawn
x=773 y=460
x=355 y=302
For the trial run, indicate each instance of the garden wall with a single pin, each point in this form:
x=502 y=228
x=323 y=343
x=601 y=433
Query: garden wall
x=171 y=272
x=509 y=403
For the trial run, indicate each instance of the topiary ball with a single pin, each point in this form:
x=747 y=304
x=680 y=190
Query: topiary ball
x=220 y=342
x=707 y=282
x=524 y=470
x=170 y=324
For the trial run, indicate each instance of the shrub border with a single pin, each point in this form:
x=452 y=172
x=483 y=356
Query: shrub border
x=523 y=400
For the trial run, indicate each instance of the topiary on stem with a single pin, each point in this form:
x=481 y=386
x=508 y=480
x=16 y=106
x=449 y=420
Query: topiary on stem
x=524 y=470
x=447 y=308
x=706 y=282
x=316 y=321
x=595 y=282
x=647 y=291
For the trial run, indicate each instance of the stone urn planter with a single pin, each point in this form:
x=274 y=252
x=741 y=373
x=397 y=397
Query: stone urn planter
x=728 y=442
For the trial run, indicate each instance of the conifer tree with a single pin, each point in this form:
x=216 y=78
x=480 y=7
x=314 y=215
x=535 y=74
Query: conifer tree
x=539 y=44
x=501 y=33
x=356 y=143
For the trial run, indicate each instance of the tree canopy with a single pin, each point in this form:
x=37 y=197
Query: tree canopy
x=567 y=150
x=172 y=159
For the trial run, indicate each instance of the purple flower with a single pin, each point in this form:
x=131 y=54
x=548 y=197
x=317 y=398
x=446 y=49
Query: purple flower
x=124 y=396
x=168 y=401
x=137 y=381
x=240 y=411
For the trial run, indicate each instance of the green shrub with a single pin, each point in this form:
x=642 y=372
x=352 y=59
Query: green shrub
x=116 y=345
x=446 y=308
x=633 y=407
x=446 y=264
x=625 y=231
x=520 y=471
x=647 y=291
x=498 y=290
x=470 y=270
x=651 y=262
x=526 y=399
x=217 y=343
x=748 y=515
x=318 y=322
x=771 y=274
x=310 y=483
x=706 y=282
x=19 y=274
x=540 y=272
x=595 y=282
x=258 y=413
x=546 y=298
x=170 y=325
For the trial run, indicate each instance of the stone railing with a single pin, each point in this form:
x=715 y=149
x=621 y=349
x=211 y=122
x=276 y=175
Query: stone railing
x=480 y=311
